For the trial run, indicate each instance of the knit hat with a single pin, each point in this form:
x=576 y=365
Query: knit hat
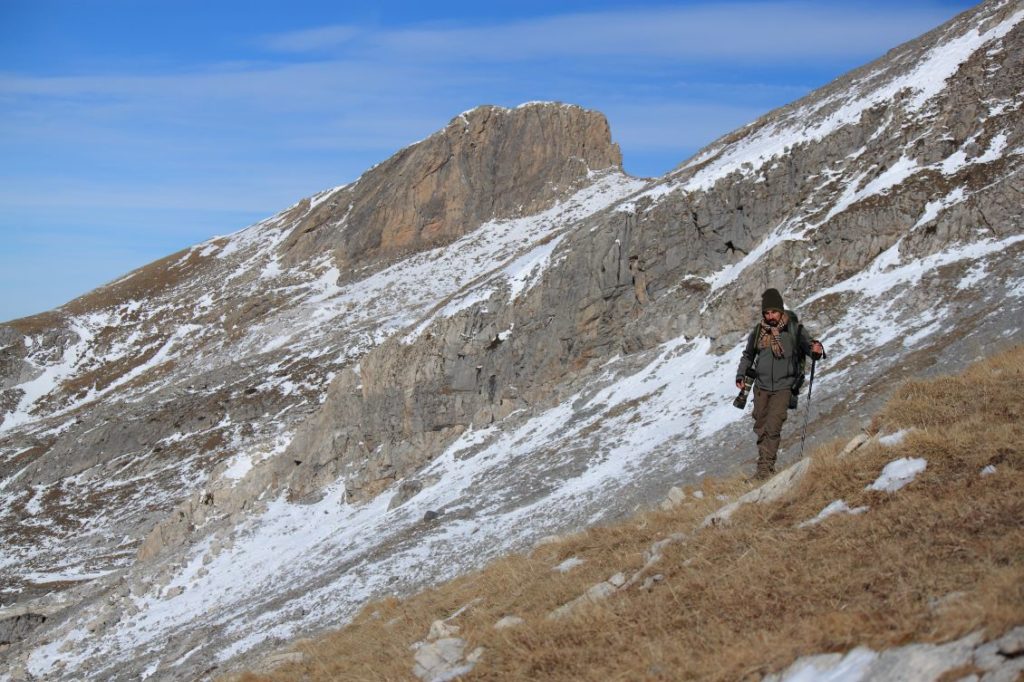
x=771 y=299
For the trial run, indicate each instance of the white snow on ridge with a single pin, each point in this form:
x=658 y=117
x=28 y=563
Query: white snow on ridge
x=526 y=270
x=323 y=196
x=51 y=375
x=891 y=177
x=266 y=235
x=933 y=208
x=925 y=81
x=959 y=159
x=406 y=290
x=729 y=274
x=888 y=271
x=792 y=230
x=400 y=295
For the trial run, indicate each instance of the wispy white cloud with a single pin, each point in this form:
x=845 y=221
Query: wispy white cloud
x=733 y=31
x=312 y=40
x=267 y=84
x=82 y=195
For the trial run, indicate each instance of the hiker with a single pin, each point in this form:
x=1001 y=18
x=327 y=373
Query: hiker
x=774 y=359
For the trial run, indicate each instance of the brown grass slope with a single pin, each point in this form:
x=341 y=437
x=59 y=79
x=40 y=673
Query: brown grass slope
x=936 y=560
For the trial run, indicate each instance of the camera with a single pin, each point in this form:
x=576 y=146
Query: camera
x=795 y=392
x=748 y=382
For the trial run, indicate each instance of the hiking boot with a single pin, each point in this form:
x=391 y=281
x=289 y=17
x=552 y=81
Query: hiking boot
x=764 y=471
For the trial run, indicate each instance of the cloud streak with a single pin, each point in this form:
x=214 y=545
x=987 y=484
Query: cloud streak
x=732 y=31
x=312 y=40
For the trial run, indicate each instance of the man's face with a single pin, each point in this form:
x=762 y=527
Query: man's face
x=773 y=317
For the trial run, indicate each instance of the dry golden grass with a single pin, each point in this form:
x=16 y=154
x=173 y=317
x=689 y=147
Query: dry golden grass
x=940 y=558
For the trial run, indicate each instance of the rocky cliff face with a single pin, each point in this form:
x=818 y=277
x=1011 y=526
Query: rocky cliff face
x=497 y=326
x=488 y=163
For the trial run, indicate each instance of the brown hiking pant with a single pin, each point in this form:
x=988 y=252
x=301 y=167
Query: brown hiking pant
x=769 y=415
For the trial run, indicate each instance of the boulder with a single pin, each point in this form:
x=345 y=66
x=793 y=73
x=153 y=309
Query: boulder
x=772 y=490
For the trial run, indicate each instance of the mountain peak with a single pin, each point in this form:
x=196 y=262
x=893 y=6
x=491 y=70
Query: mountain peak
x=488 y=163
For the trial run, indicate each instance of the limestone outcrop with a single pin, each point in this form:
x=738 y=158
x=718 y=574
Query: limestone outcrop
x=488 y=163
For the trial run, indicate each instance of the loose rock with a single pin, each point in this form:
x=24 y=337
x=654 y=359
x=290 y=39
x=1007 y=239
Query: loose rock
x=508 y=622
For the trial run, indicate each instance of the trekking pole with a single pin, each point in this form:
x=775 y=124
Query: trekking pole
x=807 y=410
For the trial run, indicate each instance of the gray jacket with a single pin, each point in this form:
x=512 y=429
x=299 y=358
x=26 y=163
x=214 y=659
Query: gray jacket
x=772 y=373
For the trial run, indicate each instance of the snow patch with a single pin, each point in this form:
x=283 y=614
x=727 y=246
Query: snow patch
x=238 y=467
x=524 y=271
x=886 y=180
x=35 y=503
x=898 y=474
x=837 y=507
x=44 y=577
x=892 y=439
x=323 y=196
x=730 y=273
x=974 y=275
x=888 y=271
x=933 y=208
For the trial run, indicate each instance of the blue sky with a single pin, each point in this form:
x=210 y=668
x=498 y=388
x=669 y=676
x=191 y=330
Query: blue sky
x=130 y=129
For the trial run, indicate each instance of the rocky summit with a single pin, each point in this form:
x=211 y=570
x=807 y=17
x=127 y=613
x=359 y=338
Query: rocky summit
x=493 y=336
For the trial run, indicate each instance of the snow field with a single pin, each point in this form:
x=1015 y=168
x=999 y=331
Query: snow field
x=773 y=140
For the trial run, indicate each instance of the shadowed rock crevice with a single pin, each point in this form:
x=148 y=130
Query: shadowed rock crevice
x=18 y=626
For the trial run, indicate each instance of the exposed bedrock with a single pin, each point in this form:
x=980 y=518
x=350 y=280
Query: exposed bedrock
x=487 y=163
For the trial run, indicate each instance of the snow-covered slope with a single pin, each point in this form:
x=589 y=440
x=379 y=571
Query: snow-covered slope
x=236 y=445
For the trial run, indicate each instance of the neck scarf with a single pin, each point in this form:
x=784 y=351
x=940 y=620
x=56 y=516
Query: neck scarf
x=770 y=336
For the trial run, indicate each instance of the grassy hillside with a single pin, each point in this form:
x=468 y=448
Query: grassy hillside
x=939 y=558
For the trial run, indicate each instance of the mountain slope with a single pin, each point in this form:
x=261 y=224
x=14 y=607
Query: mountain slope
x=169 y=439
x=906 y=534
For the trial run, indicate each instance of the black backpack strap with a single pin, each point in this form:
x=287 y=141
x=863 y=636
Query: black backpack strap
x=753 y=341
x=750 y=351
